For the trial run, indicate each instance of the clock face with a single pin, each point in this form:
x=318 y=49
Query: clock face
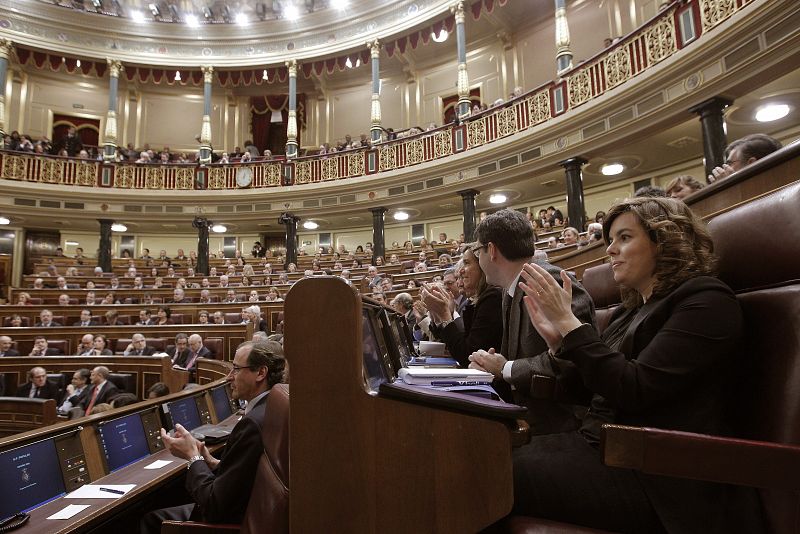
x=244 y=176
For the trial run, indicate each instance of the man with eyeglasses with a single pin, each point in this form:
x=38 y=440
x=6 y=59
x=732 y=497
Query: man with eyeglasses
x=221 y=487
x=742 y=153
x=505 y=244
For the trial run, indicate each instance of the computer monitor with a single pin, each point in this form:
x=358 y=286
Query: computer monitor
x=123 y=440
x=377 y=368
x=222 y=404
x=183 y=411
x=402 y=339
x=31 y=476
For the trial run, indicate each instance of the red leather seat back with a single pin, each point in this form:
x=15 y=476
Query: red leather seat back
x=600 y=284
x=268 y=509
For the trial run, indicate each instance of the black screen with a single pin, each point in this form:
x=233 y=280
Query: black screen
x=31 y=476
x=222 y=405
x=123 y=441
x=184 y=411
x=374 y=370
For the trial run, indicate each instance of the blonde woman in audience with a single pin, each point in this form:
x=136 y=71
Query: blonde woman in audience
x=570 y=235
x=682 y=186
x=291 y=268
x=409 y=246
x=253 y=296
x=248 y=271
x=274 y=295
x=394 y=259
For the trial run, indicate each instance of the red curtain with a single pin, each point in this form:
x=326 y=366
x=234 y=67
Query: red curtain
x=449 y=104
x=88 y=129
x=267 y=134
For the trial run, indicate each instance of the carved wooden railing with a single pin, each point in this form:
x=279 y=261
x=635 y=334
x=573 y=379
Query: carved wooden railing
x=674 y=28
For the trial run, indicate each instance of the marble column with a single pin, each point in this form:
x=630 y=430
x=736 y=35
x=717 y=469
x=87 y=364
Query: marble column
x=576 y=210
x=464 y=105
x=110 y=141
x=563 y=51
x=375 y=111
x=468 y=203
x=104 y=251
x=712 y=121
x=201 y=224
x=6 y=47
x=378 y=233
x=291 y=126
x=205 y=130
x=290 y=221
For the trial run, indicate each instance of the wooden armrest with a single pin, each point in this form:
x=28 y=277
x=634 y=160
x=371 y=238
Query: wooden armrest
x=188 y=527
x=743 y=462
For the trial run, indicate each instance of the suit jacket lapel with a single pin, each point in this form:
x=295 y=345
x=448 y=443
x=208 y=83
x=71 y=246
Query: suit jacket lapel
x=626 y=346
x=514 y=320
x=506 y=323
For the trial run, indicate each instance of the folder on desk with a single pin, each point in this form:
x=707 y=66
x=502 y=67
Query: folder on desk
x=426 y=376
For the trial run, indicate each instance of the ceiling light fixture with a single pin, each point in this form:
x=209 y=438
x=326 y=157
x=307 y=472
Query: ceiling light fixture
x=339 y=4
x=442 y=37
x=71 y=243
x=207 y=13
x=219 y=228
x=119 y=227
x=290 y=12
x=348 y=63
x=497 y=198
x=265 y=76
x=612 y=169
x=310 y=225
x=177 y=75
x=241 y=19
x=772 y=112
x=137 y=16
x=400 y=216
x=78 y=63
x=5 y=220
x=191 y=21
x=154 y=10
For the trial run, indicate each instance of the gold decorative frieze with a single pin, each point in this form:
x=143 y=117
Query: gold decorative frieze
x=539 y=107
x=51 y=170
x=184 y=178
x=216 y=178
x=125 y=176
x=507 y=122
x=476 y=133
x=154 y=178
x=302 y=172
x=14 y=167
x=579 y=87
x=443 y=142
x=330 y=169
x=660 y=40
x=712 y=12
x=414 y=152
x=355 y=164
x=388 y=160
x=272 y=174
x=617 y=66
x=85 y=173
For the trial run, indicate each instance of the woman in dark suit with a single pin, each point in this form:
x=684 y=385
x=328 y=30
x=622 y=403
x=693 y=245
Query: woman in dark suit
x=666 y=360
x=480 y=326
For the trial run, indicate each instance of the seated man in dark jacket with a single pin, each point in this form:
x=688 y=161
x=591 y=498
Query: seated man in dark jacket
x=38 y=387
x=221 y=488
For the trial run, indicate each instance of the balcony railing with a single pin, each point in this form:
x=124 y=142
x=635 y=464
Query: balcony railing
x=674 y=28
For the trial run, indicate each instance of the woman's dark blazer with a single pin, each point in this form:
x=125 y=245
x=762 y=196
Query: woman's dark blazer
x=480 y=327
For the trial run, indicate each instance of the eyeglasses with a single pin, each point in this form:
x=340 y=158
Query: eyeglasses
x=235 y=369
x=477 y=249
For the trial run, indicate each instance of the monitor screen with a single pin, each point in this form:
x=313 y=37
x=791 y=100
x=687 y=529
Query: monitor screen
x=405 y=347
x=375 y=371
x=222 y=404
x=124 y=441
x=183 y=411
x=31 y=476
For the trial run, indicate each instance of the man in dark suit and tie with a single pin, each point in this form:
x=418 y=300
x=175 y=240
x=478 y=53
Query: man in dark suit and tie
x=221 y=488
x=86 y=319
x=138 y=347
x=46 y=319
x=38 y=387
x=76 y=391
x=180 y=352
x=196 y=350
x=101 y=391
x=40 y=348
x=506 y=243
x=5 y=350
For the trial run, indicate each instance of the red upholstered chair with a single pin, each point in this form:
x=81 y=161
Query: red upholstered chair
x=761 y=266
x=600 y=284
x=25 y=321
x=215 y=344
x=268 y=508
x=233 y=317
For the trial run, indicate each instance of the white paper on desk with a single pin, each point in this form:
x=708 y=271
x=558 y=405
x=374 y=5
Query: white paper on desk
x=69 y=511
x=158 y=464
x=91 y=491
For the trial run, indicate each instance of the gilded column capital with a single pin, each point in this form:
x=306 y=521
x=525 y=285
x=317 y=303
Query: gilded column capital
x=292 y=66
x=208 y=73
x=374 y=48
x=457 y=9
x=115 y=67
x=6 y=47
